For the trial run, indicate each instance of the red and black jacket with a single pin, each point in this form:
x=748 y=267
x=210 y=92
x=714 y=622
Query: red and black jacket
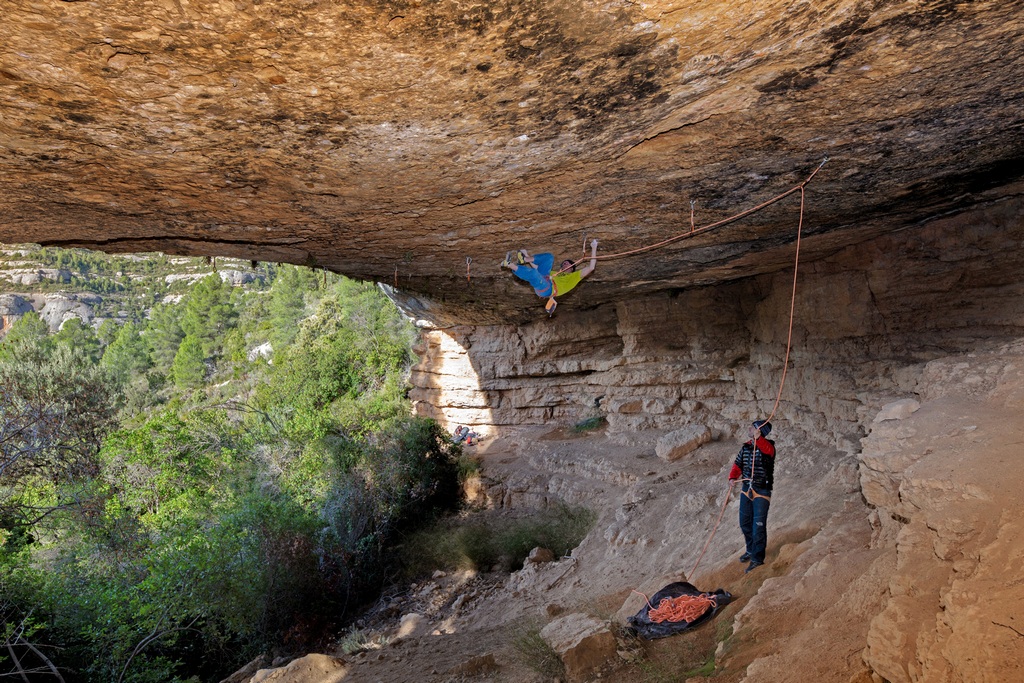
x=756 y=465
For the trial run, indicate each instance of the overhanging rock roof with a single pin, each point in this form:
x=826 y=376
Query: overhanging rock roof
x=392 y=140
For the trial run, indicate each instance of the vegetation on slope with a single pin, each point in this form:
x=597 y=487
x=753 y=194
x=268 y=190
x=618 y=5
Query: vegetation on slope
x=173 y=503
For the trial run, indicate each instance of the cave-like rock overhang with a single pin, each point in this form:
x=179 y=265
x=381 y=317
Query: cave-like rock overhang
x=392 y=140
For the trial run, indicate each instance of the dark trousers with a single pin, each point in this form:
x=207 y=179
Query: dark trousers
x=753 y=522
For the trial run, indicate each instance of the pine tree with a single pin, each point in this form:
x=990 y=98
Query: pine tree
x=128 y=355
x=209 y=313
x=189 y=368
x=288 y=304
x=164 y=334
x=77 y=335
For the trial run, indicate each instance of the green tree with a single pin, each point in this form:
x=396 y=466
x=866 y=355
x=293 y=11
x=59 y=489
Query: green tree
x=75 y=334
x=29 y=337
x=107 y=332
x=209 y=313
x=288 y=303
x=128 y=354
x=189 y=368
x=54 y=413
x=167 y=467
x=164 y=334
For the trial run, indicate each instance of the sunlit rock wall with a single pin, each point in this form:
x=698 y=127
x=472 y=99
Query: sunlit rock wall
x=864 y=318
x=945 y=486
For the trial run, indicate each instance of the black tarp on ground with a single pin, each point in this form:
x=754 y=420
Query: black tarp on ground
x=649 y=630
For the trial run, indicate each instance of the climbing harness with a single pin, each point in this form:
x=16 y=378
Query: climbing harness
x=751 y=494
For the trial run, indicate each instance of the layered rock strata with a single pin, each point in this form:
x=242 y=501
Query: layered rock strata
x=715 y=355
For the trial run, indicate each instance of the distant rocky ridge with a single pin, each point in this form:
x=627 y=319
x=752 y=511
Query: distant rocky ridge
x=32 y=276
x=54 y=309
x=27 y=284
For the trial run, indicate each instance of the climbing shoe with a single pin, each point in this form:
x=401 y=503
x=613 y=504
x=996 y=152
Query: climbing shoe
x=745 y=557
x=521 y=258
x=754 y=564
x=550 y=306
x=507 y=262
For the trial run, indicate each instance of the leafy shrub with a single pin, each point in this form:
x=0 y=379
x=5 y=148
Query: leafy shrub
x=590 y=424
x=55 y=412
x=407 y=475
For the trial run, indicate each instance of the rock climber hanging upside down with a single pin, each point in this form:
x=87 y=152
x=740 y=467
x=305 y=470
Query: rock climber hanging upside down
x=539 y=271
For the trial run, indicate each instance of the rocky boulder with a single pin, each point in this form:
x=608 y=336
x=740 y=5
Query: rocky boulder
x=680 y=442
x=237 y=278
x=12 y=307
x=585 y=644
x=314 y=668
x=58 y=308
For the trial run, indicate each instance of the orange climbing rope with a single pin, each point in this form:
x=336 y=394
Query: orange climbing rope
x=789 y=344
x=725 y=503
x=686 y=608
x=792 y=304
x=717 y=224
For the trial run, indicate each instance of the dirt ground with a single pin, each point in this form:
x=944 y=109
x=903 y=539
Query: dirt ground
x=654 y=517
x=900 y=563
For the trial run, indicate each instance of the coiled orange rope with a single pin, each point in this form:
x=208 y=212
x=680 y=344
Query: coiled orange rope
x=686 y=608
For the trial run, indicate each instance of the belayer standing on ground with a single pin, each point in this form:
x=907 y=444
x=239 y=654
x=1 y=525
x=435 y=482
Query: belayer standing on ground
x=755 y=466
x=539 y=272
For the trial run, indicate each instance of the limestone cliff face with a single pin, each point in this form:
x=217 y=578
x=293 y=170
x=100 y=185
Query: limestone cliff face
x=392 y=139
x=413 y=143
x=714 y=355
x=943 y=489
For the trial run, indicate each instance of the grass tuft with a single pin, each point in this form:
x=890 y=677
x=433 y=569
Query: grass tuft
x=533 y=652
x=590 y=424
x=484 y=540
